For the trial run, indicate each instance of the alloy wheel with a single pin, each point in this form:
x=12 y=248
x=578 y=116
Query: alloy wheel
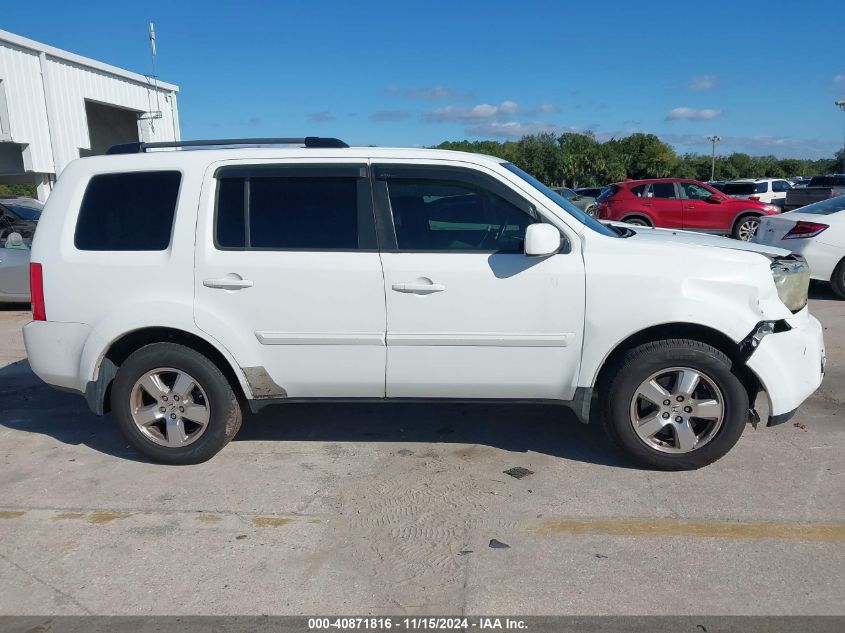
x=748 y=229
x=169 y=407
x=677 y=410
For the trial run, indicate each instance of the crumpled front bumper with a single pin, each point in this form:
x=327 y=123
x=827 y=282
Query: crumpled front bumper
x=790 y=365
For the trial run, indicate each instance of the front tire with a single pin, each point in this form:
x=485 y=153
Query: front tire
x=674 y=405
x=174 y=405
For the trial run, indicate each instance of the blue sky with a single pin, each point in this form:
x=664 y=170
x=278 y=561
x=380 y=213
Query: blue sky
x=762 y=75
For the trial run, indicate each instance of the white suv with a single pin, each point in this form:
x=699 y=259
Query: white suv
x=174 y=288
x=767 y=190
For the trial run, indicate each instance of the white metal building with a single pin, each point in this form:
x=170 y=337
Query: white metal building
x=56 y=106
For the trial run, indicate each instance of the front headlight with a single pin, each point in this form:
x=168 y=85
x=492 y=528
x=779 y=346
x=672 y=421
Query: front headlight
x=792 y=280
x=772 y=207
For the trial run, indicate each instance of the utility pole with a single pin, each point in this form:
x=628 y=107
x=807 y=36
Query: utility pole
x=713 y=140
x=841 y=106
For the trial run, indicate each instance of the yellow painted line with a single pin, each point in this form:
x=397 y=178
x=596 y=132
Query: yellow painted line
x=263 y=522
x=11 y=514
x=101 y=518
x=824 y=532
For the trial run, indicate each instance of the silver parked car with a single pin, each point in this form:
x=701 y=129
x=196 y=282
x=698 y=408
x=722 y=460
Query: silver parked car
x=18 y=219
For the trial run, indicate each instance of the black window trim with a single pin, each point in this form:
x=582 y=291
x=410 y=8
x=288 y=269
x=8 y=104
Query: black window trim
x=169 y=246
x=382 y=172
x=367 y=239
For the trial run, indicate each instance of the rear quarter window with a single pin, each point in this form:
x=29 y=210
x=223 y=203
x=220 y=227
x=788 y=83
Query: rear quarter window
x=131 y=211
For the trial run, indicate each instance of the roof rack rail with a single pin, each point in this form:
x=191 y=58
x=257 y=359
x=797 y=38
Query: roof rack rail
x=308 y=141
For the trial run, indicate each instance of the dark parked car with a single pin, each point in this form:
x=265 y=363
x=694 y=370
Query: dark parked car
x=682 y=204
x=819 y=188
x=19 y=215
x=587 y=204
x=590 y=192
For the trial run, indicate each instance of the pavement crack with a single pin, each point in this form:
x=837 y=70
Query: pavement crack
x=41 y=581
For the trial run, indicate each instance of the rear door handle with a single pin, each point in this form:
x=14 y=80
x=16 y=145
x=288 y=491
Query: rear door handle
x=230 y=282
x=418 y=288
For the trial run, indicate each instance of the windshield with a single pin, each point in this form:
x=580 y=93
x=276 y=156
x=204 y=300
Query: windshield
x=825 y=207
x=564 y=204
x=25 y=213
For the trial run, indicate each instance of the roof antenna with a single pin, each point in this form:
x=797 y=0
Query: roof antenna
x=153 y=114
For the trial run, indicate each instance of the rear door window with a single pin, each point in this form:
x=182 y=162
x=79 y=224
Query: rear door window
x=663 y=190
x=294 y=208
x=130 y=211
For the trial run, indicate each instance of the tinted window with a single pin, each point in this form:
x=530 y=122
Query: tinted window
x=739 y=188
x=781 y=185
x=454 y=215
x=827 y=181
x=128 y=212
x=231 y=214
x=288 y=213
x=639 y=190
x=694 y=191
x=663 y=190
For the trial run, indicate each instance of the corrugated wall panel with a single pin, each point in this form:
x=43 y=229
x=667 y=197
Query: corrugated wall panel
x=72 y=85
x=20 y=71
x=69 y=85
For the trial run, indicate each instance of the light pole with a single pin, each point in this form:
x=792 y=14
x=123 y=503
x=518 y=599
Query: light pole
x=841 y=106
x=713 y=140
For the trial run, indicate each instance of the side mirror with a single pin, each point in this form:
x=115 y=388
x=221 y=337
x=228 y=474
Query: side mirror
x=714 y=199
x=541 y=240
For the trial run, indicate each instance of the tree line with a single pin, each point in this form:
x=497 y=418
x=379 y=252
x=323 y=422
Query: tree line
x=580 y=160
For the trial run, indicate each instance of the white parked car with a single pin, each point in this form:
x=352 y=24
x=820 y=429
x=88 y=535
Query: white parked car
x=170 y=287
x=766 y=190
x=817 y=233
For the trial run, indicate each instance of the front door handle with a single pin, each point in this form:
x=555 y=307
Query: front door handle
x=229 y=282
x=418 y=288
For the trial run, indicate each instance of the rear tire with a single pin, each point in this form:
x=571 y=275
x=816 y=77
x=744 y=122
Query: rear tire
x=837 y=280
x=746 y=227
x=174 y=405
x=637 y=221
x=704 y=417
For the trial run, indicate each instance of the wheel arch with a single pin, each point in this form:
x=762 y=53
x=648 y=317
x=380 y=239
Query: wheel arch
x=638 y=214
x=692 y=331
x=122 y=347
x=743 y=214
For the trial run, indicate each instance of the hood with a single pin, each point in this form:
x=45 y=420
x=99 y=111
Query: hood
x=677 y=236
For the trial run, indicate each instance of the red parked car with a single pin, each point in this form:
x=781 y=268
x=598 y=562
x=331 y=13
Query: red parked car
x=674 y=203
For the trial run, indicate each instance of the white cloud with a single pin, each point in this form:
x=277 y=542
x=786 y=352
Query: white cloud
x=515 y=129
x=703 y=82
x=691 y=114
x=321 y=117
x=477 y=113
x=430 y=93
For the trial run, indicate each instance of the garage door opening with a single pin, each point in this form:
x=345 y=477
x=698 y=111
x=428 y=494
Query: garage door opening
x=107 y=126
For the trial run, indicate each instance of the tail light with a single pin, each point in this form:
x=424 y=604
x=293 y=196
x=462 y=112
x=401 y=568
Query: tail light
x=36 y=290
x=757 y=198
x=804 y=229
